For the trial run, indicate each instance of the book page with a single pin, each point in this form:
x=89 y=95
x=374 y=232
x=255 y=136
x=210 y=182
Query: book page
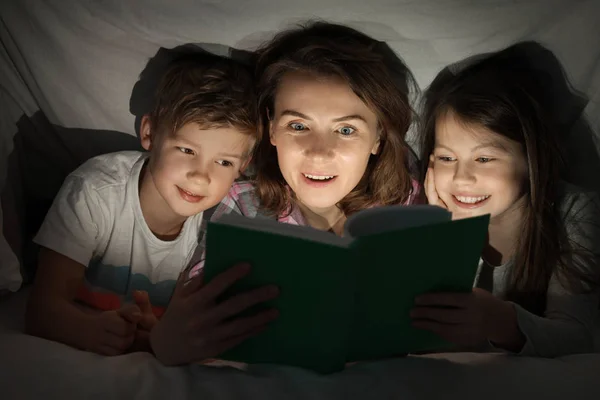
x=393 y=218
x=272 y=226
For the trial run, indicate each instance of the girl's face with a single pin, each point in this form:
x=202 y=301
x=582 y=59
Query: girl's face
x=324 y=135
x=477 y=171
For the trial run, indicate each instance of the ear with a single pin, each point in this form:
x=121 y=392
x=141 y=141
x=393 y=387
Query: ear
x=375 y=148
x=146 y=133
x=245 y=164
x=271 y=135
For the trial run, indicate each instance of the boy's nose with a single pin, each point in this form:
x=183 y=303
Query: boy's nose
x=198 y=176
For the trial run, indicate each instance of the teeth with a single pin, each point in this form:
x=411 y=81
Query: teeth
x=319 y=178
x=190 y=193
x=471 y=200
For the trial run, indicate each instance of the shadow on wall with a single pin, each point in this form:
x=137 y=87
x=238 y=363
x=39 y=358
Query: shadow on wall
x=44 y=154
x=565 y=105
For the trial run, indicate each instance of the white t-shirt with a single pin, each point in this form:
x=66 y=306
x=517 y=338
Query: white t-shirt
x=96 y=220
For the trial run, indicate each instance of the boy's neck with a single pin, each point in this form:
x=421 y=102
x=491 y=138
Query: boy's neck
x=504 y=234
x=161 y=220
x=325 y=219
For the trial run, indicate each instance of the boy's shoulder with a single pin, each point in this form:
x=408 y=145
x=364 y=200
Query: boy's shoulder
x=108 y=169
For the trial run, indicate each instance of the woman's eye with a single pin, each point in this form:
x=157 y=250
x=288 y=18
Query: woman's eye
x=297 y=126
x=225 y=163
x=346 y=130
x=185 y=150
x=445 y=159
x=484 y=160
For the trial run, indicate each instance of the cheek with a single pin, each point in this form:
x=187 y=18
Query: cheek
x=442 y=177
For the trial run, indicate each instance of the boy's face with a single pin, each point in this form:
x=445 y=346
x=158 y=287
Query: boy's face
x=193 y=169
x=324 y=135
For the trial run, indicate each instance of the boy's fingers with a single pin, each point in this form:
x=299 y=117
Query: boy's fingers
x=221 y=282
x=106 y=350
x=142 y=300
x=131 y=313
x=117 y=342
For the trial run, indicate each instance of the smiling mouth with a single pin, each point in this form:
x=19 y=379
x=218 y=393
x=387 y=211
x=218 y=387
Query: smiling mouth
x=319 y=178
x=189 y=196
x=471 y=200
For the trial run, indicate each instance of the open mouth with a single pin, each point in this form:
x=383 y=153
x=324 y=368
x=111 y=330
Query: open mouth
x=189 y=196
x=470 y=201
x=319 y=178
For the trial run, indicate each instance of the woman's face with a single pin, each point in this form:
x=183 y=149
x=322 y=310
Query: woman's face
x=324 y=135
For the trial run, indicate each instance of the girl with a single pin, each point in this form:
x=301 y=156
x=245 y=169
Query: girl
x=334 y=109
x=492 y=150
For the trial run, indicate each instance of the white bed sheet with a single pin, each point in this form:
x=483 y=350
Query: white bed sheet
x=35 y=368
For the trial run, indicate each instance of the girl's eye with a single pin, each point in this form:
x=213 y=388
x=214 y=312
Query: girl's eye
x=346 y=130
x=185 y=150
x=445 y=159
x=297 y=126
x=484 y=160
x=225 y=163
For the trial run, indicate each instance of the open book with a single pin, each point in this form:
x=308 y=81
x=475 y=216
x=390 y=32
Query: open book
x=346 y=298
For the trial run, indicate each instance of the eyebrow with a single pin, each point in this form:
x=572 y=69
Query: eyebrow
x=232 y=155
x=485 y=145
x=339 y=119
x=192 y=144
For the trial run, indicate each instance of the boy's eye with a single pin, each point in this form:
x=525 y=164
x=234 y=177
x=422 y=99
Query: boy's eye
x=297 y=126
x=225 y=163
x=484 y=160
x=445 y=159
x=346 y=130
x=185 y=150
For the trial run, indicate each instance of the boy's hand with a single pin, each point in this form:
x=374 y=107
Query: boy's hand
x=465 y=319
x=146 y=322
x=111 y=333
x=194 y=327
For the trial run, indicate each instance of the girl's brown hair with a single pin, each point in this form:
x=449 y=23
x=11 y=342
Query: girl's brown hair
x=375 y=74
x=505 y=95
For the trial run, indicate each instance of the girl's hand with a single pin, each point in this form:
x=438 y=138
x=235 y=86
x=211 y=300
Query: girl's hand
x=468 y=319
x=430 y=191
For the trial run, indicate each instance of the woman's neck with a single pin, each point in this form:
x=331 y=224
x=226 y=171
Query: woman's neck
x=325 y=219
x=504 y=234
x=159 y=217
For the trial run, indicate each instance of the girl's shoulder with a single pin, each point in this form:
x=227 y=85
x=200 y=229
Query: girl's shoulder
x=576 y=203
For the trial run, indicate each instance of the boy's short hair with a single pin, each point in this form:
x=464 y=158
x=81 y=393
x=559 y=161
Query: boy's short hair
x=206 y=89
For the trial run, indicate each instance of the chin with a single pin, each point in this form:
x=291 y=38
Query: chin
x=317 y=203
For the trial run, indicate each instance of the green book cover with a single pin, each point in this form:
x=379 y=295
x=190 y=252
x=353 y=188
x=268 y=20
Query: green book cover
x=346 y=298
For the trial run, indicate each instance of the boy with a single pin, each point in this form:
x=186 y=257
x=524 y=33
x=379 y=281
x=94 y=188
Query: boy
x=128 y=222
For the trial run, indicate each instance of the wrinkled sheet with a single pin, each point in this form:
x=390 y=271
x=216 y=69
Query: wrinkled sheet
x=35 y=368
